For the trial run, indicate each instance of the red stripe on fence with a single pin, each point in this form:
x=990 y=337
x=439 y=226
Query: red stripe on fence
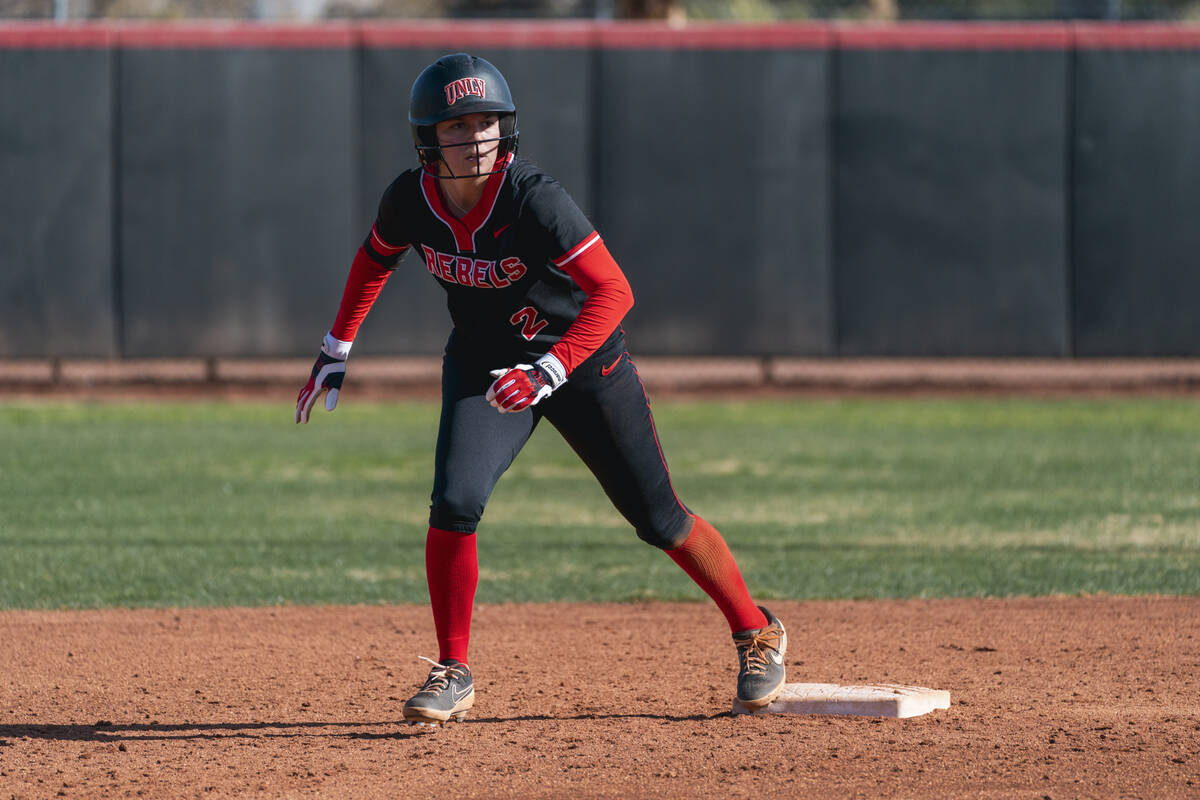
x=713 y=36
x=617 y=35
x=210 y=35
x=237 y=35
x=47 y=35
x=954 y=36
x=479 y=33
x=607 y=35
x=1136 y=36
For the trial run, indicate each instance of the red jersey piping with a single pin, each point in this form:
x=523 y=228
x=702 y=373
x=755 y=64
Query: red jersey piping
x=576 y=251
x=383 y=247
x=464 y=229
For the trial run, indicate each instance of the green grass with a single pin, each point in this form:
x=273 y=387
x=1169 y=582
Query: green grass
x=218 y=504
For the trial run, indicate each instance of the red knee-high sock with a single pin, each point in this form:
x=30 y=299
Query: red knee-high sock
x=452 y=571
x=706 y=559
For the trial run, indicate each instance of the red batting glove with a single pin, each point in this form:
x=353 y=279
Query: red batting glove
x=517 y=388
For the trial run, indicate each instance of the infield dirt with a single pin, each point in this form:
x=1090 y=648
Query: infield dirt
x=1051 y=697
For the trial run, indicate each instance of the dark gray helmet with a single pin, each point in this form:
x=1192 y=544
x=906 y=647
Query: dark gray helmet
x=452 y=86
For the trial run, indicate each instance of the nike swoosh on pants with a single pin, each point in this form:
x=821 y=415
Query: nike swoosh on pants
x=612 y=366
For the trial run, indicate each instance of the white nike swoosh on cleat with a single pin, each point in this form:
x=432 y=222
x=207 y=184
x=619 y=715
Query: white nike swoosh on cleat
x=776 y=657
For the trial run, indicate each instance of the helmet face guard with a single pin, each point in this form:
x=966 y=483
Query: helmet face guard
x=430 y=152
x=453 y=86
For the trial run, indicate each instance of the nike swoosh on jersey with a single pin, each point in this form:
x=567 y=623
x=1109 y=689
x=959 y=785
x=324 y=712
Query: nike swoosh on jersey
x=500 y=230
x=612 y=366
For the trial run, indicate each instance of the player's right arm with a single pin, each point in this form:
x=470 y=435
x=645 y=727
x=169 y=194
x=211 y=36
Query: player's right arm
x=370 y=270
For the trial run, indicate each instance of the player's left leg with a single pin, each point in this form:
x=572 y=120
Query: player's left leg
x=606 y=418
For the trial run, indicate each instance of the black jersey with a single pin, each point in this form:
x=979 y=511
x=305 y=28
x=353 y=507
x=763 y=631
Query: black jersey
x=502 y=266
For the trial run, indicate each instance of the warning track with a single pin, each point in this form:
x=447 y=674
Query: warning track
x=376 y=377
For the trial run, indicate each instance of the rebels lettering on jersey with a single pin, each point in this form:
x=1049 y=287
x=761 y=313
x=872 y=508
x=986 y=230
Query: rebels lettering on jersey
x=457 y=90
x=477 y=272
x=501 y=266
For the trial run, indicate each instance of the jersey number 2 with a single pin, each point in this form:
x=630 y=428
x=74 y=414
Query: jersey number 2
x=528 y=320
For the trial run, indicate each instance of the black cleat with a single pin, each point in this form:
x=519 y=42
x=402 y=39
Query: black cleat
x=760 y=663
x=448 y=694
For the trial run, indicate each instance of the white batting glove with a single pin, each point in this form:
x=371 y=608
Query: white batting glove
x=327 y=374
x=525 y=385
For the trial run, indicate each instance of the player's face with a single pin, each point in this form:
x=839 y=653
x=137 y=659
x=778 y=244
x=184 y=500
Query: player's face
x=470 y=143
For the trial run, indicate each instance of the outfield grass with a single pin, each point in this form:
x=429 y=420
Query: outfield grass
x=220 y=504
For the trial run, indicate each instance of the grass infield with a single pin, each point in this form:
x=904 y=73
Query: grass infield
x=232 y=504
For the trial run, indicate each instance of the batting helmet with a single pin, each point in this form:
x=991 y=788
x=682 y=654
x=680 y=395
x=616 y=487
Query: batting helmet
x=450 y=87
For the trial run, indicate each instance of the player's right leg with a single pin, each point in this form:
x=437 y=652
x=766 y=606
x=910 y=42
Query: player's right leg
x=475 y=447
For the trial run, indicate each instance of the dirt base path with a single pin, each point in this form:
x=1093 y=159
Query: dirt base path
x=1060 y=697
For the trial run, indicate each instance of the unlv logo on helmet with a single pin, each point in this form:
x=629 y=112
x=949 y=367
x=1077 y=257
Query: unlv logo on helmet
x=457 y=90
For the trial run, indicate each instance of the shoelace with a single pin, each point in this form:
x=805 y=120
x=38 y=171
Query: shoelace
x=439 y=677
x=754 y=659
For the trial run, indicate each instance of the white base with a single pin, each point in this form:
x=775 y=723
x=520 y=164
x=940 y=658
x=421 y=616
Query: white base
x=882 y=700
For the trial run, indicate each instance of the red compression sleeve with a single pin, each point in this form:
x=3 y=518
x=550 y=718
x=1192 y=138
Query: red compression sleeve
x=452 y=572
x=609 y=299
x=363 y=285
x=706 y=559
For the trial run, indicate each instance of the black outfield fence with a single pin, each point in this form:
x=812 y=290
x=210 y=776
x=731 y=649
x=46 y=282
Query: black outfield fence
x=57 y=198
x=951 y=211
x=786 y=190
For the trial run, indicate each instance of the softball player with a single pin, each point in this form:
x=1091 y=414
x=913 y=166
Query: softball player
x=536 y=301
